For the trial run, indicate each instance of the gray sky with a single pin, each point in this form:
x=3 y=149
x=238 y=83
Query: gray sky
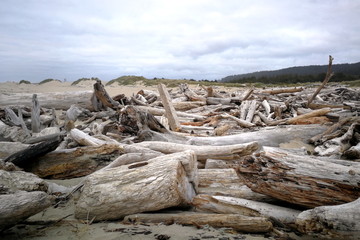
x=200 y=39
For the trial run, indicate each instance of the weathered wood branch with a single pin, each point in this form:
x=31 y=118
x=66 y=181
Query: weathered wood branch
x=328 y=76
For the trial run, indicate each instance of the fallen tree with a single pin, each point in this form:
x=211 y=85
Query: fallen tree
x=302 y=180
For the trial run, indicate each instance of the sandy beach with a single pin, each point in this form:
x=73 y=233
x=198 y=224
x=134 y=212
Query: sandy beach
x=59 y=222
x=55 y=86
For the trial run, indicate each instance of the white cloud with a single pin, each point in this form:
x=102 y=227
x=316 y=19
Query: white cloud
x=202 y=39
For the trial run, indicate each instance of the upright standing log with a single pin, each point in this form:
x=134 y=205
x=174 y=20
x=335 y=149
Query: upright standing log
x=103 y=97
x=328 y=76
x=35 y=115
x=169 y=108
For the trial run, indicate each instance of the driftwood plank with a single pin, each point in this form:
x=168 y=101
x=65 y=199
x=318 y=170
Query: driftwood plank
x=170 y=112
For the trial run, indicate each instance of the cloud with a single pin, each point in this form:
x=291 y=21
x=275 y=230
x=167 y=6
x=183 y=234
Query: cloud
x=203 y=39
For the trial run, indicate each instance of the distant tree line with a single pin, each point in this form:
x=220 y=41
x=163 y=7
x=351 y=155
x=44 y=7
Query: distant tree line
x=342 y=72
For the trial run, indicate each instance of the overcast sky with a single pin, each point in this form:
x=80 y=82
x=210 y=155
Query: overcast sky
x=199 y=39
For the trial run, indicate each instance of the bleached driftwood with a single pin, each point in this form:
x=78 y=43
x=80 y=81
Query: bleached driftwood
x=225 y=182
x=251 y=111
x=160 y=112
x=21 y=205
x=242 y=123
x=203 y=152
x=12 y=181
x=170 y=112
x=282 y=90
x=335 y=222
x=35 y=115
x=231 y=205
x=8 y=148
x=146 y=186
x=302 y=180
x=339 y=145
x=353 y=152
x=236 y=221
x=270 y=136
x=315 y=113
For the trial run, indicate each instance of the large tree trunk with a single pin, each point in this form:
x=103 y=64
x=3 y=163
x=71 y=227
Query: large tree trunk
x=57 y=100
x=71 y=163
x=302 y=180
x=156 y=184
x=236 y=221
x=21 y=205
x=335 y=222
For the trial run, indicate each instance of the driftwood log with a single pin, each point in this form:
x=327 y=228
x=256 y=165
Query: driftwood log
x=234 y=151
x=71 y=163
x=231 y=205
x=302 y=180
x=225 y=182
x=236 y=221
x=147 y=186
x=24 y=157
x=21 y=205
x=335 y=222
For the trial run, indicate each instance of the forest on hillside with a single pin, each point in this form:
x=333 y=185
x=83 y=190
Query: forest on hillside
x=314 y=73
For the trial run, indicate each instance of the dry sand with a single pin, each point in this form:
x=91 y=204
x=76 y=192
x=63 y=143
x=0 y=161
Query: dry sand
x=55 y=86
x=70 y=228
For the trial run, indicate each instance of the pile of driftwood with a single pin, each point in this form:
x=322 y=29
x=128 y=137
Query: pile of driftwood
x=213 y=155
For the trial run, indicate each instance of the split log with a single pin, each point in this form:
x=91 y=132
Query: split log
x=170 y=112
x=19 y=180
x=146 y=186
x=339 y=145
x=203 y=152
x=244 y=108
x=21 y=205
x=231 y=205
x=315 y=113
x=190 y=94
x=77 y=162
x=225 y=182
x=335 y=222
x=103 y=97
x=236 y=221
x=56 y=100
x=24 y=157
x=302 y=180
